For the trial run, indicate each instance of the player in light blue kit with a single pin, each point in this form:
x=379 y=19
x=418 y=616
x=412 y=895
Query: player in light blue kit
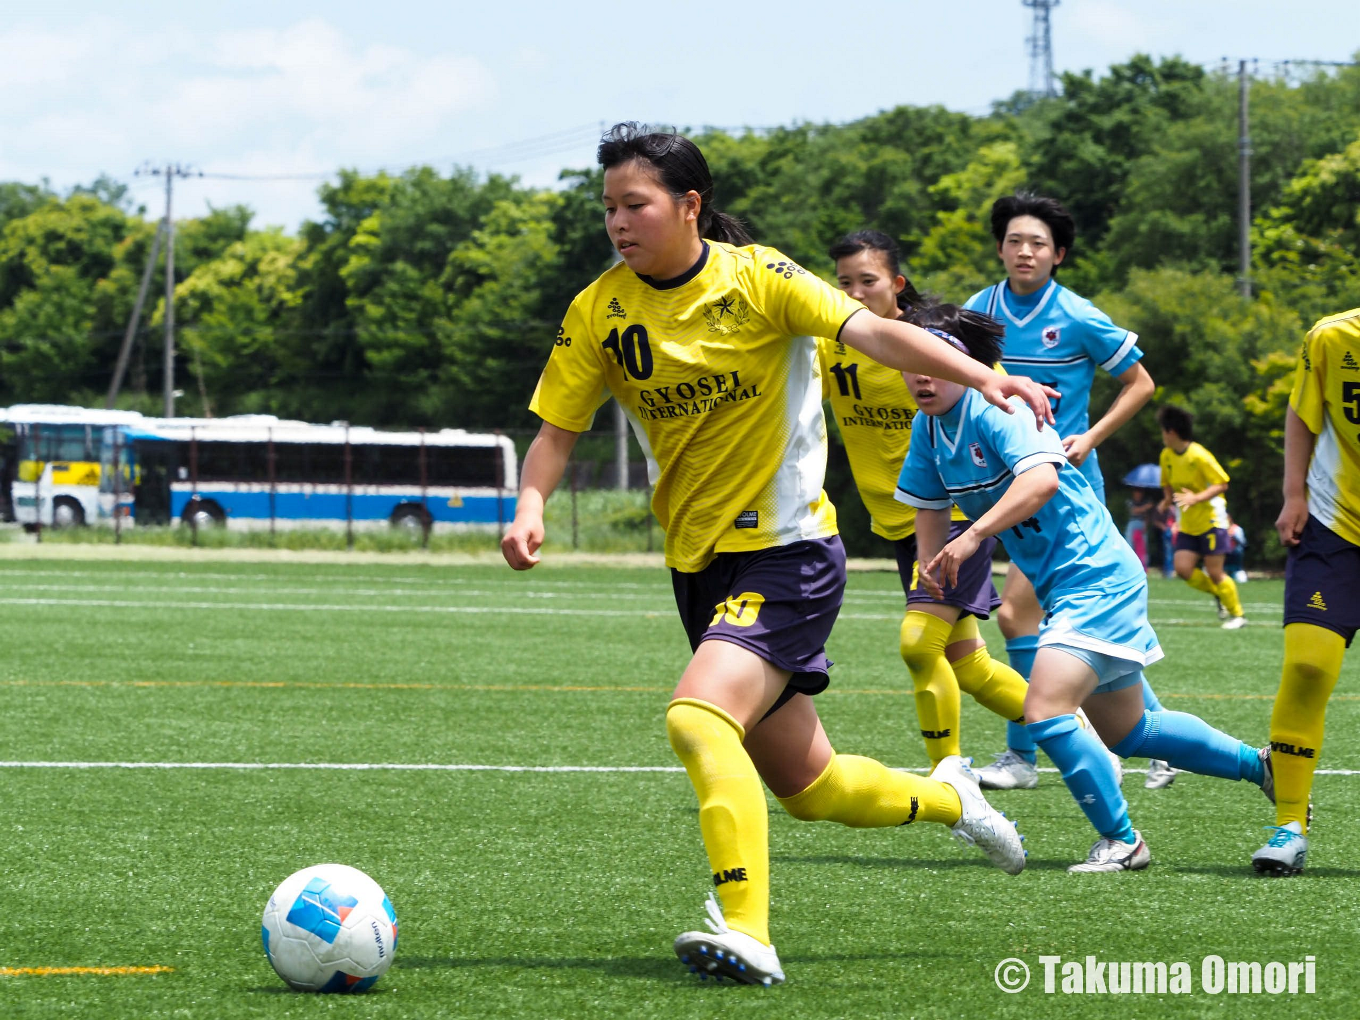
x=1059 y=339
x=1019 y=485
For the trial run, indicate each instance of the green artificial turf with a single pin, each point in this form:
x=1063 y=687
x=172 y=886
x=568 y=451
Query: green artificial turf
x=557 y=894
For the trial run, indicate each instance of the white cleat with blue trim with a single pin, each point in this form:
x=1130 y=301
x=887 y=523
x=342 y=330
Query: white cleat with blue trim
x=724 y=953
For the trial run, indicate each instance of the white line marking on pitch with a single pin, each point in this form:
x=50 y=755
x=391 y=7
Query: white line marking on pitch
x=306 y=607
x=414 y=767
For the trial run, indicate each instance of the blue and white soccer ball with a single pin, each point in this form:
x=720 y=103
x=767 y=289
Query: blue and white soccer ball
x=330 y=928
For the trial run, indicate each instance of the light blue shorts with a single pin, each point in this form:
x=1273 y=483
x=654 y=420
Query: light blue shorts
x=1109 y=631
x=1112 y=674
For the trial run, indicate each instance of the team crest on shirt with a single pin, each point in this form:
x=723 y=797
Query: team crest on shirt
x=615 y=310
x=975 y=451
x=727 y=315
x=1050 y=337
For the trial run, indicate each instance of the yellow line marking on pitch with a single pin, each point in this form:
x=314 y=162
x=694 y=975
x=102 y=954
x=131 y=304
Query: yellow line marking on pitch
x=64 y=971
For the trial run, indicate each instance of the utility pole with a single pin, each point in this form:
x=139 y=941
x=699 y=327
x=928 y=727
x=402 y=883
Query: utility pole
x=171 y=171
x=126 y=350
x=1243 y=182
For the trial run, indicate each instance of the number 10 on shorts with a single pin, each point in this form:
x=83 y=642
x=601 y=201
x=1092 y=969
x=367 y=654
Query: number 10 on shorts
x=739 y=610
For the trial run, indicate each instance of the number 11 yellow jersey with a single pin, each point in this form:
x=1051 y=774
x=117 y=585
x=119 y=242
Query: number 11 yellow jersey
x=717 y=373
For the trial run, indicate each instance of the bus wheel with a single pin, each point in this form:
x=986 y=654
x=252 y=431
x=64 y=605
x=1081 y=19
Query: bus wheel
x=67 y=513
x=412 y=518
x=204 y=513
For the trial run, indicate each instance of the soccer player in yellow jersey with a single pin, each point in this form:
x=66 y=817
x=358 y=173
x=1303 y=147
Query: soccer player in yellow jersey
x=707 y=341
x=1194 y=482
x=939 y=640
x=1320 y=523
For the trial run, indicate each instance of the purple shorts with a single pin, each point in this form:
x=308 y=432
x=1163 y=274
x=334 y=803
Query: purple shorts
x=1213 y=542
x=779 y=603
x=1322 y=581
x=974 y=594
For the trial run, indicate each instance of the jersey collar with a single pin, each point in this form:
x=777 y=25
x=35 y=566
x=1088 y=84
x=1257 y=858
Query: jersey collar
x=683 y=278
x=1003 y=288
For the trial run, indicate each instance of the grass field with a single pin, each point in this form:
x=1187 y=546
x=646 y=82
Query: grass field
x=557 y=893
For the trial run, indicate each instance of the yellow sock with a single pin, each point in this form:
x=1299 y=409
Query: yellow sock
x=923 y=639
x=1312 y=663
x=867 y=794
x=1199 y=580
x=992 y=684
x=1226 y=590
x=733 y=818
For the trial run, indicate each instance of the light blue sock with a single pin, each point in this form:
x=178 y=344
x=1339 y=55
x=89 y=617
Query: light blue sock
x=1150 y=701
x=1187 y=742
x=1086 y=769
x=1021 y=651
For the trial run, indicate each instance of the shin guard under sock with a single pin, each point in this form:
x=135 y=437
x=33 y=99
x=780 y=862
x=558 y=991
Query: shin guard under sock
x=1086 y=769
x=733 y=818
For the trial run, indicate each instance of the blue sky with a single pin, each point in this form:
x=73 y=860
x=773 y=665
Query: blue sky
x=254 y=88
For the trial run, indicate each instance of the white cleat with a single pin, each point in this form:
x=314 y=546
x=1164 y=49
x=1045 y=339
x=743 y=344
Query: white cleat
x=1008 y=772
x=1235 y=623
x=980 y=824
x=724 y=953
x=1115 y=855
x=1222 y=609
x=1159 y=775
x=1285 y=854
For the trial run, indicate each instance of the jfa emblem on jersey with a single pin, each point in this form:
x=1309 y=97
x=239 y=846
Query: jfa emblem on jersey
x=1050 y=336
x=976 y=451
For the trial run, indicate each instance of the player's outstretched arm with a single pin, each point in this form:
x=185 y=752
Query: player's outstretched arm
x=1298 y=451
x=909 y=348
x=543 y=467
x=1030 y=490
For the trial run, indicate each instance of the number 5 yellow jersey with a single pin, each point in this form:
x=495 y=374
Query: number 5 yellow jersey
x=717 y=372
x=1327 y=397
x=874 y=412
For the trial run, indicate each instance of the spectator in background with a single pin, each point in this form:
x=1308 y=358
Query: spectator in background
x=1234 y=564
x=1142 y=509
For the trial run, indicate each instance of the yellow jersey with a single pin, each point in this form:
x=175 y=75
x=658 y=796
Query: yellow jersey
x=1326 y=396
x=1196 y=469
x=874 y=411
x=717 y=372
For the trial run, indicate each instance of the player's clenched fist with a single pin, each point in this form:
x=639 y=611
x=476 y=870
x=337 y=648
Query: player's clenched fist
x=521 y=542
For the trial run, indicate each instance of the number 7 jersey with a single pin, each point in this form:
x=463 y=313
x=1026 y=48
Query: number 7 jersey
x=717 y=373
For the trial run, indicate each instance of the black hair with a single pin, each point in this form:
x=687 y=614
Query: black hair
x=876 y=240
x=679 y=167
x=1027 y=203
x=979 y=333
x=1178 y=420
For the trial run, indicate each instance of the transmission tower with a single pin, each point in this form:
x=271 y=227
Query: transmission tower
x=1040 y=43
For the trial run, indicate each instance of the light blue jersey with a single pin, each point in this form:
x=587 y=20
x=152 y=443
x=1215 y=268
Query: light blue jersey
x=1058 y=338
x=1086 y=576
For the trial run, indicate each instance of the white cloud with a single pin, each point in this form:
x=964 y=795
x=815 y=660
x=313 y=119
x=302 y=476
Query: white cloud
x=98 y=96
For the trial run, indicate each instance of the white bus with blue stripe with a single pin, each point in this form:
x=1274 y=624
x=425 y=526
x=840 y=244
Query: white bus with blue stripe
x=257 y=471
